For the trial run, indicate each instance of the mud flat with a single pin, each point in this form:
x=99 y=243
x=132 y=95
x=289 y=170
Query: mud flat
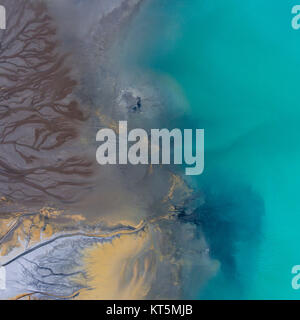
x=61 y=81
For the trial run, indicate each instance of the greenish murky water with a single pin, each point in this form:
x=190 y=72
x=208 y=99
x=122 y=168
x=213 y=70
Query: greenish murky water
x=238 y=64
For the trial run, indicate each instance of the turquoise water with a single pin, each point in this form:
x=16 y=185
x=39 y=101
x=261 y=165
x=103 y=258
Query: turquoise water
x=238 y=64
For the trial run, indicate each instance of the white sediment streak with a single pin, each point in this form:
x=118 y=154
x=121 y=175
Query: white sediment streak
x=2 y=278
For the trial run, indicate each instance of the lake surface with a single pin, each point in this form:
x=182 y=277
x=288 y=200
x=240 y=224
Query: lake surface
x=237 y=64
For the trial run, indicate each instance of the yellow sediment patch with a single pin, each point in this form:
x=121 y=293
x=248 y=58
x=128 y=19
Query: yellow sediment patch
x=121 y=269
x=23 y=229
x=176 y=183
